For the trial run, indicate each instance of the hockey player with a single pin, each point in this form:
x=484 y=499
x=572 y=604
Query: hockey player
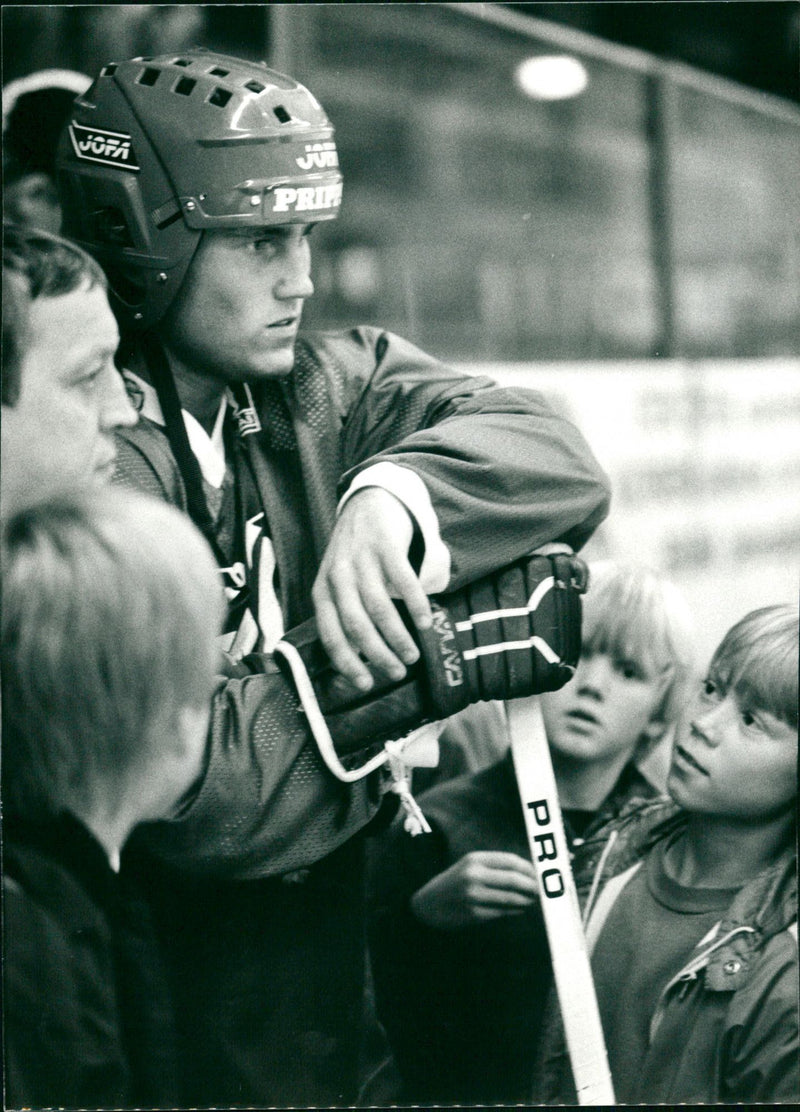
x=333 y=474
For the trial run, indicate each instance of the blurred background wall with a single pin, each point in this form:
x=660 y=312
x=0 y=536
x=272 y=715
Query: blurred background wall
x=629 y=243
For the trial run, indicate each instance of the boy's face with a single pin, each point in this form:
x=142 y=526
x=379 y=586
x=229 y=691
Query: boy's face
x=237 y=313
x=602 y=713
x=732 y=759
x=59 y=434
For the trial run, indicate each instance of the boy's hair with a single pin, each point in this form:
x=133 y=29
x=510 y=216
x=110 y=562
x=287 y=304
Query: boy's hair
x=632 y=612
x=111 y=607
x=758 y=658
x=36 y=264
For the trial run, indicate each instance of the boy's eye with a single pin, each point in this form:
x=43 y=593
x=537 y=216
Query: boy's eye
x=629 y=669
x=709 y=687
x=748 y=718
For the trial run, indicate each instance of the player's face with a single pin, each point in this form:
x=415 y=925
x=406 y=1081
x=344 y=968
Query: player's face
x=59 y=434
x=237 y=314
x=731 y=758
x=602 y=713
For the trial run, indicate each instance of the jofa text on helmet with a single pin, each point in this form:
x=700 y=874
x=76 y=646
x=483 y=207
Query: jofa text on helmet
x=323 y=156
x=95 y=144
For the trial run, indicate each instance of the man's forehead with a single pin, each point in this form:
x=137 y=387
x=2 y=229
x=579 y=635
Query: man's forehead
x=74 y=325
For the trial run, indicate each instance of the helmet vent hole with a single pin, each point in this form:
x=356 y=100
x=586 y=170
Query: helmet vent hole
x=185 y=85
x=182 y=62
x=255 y=86
x=218 y=72
x=282 y=114
x=109 y=71
x=148 y=76
x=220 y=97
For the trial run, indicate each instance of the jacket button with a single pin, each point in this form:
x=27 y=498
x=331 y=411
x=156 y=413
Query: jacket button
x=732 y=967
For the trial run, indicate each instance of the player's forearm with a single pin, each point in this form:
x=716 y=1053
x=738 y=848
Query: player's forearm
x=502 y=482
x=266 y=804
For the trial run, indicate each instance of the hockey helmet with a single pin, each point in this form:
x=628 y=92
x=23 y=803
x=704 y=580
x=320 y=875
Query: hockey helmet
x=160 y=149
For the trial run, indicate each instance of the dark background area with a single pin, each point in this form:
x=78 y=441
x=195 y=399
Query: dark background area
x=756 y=44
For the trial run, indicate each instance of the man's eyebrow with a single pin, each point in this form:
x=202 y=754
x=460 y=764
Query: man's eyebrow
x=95 y=353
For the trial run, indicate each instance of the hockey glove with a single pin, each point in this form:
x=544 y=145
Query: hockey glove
x=515 y=632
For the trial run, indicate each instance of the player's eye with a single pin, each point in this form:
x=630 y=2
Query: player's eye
x=709 y=687
x=263 y=244
x=629 y=669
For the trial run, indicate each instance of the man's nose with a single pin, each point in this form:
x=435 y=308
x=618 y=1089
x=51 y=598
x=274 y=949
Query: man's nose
x=295 y=282
x=116 y=408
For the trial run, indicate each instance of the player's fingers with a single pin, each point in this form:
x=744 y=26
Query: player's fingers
x=348 y=590
x=336 y=644
x=406 y=585
x=382 y=612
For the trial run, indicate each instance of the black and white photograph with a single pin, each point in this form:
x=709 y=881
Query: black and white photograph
x=400 y=555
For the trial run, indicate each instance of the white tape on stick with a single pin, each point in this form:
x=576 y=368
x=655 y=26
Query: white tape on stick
x=562 y=917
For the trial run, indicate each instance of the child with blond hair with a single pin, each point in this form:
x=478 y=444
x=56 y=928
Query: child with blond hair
x=458 y=943
x=111 y=607
x=694 y=944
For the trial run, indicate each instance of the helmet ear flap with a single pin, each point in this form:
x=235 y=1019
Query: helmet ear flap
x=106 y=214
x=109 y=227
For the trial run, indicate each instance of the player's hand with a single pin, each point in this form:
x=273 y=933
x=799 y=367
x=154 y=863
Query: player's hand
x=364 y=568
x=481 y=886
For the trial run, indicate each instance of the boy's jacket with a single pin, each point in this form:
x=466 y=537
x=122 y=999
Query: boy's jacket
x=726 y=1026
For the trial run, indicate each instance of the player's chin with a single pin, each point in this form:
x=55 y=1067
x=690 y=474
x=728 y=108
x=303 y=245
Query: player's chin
x=276 y=365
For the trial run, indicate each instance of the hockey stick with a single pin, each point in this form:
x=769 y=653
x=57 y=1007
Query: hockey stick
x=562 y=917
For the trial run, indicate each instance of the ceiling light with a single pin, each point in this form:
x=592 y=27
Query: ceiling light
x=552 y=77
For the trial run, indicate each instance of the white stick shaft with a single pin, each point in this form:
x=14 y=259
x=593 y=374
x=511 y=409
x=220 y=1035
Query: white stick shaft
x=562 y=917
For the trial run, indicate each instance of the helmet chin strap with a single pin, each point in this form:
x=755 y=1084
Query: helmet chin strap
x=163 y=381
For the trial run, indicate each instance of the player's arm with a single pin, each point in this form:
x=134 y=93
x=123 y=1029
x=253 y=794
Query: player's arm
x=485 y=475
x=265 y=803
